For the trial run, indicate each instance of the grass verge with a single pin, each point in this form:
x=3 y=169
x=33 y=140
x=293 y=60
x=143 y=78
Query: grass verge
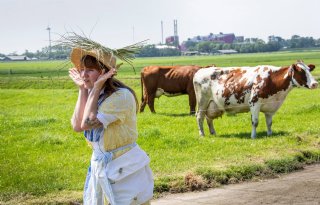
x=204 y=178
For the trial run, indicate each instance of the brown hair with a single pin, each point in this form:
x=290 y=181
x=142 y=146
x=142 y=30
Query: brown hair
x=112 y=84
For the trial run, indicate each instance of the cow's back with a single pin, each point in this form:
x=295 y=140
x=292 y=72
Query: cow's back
x=178 y=79
x=172 y=79
x=227 y=87
x=155 y=70
x=150 y=75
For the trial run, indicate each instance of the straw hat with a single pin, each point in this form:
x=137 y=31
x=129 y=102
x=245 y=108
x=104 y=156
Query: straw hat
x=106 y=59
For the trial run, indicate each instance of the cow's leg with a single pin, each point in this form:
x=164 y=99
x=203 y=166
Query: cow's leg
x=268 y=122
x=255 y=109
x=192 y=102
x=143 y=104
x=151 y=103
x=201 y=114
x=212 y=113
x=200 y=118
x=210 y=125
x=202 y=98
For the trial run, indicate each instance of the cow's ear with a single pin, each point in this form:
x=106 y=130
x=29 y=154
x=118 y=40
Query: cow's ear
x=296 y=67
x=312 y=67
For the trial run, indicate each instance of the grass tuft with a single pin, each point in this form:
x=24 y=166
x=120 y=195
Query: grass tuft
x=195 y=182
x=279 y=166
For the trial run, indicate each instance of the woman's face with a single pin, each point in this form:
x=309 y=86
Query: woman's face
x=89 y=76
x=90 y=72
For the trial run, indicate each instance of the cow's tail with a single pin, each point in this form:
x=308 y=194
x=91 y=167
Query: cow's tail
x=142 y=95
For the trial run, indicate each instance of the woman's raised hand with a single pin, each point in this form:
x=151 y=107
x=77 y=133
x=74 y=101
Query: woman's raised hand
x=104 y=77
x=74 y=74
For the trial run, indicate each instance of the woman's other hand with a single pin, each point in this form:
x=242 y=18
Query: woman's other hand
x=74 y=74
x=104 y=77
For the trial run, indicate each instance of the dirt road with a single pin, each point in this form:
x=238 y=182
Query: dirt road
x=302 y=187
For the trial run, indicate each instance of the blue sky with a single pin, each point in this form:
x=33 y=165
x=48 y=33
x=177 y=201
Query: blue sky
x=118 y=23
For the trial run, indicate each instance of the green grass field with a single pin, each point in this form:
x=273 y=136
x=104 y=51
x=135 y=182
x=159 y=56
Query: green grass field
x=44 y=161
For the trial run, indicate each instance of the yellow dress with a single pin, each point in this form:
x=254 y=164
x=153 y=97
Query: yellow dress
x=119 y=168
x=121 y=105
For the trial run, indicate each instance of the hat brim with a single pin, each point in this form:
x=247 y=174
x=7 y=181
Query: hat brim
x=77 y=55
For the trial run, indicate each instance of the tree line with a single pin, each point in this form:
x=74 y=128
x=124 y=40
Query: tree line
x=257 y=45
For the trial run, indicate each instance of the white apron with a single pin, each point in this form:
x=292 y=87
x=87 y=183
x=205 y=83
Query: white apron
x=126 y=180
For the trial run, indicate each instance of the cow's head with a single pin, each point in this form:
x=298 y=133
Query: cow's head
x=301 y=75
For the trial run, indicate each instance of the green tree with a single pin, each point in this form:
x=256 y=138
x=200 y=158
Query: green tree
x=204 y=47
x=169 y=52
x=190 y=43
x=28 y=54
x=148 y=51
x=317 y=42
x=226 y=46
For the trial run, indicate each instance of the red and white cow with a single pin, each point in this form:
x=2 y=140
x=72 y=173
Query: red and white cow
x=241 y=89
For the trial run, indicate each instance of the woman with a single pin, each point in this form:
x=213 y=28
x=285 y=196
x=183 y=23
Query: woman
x=106 y=111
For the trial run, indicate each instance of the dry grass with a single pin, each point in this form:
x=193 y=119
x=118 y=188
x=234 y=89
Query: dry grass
x=195 y=182
x=62 y=197
x=126 y=54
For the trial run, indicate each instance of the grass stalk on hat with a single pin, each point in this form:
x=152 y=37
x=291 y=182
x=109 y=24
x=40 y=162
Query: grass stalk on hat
x=126 y=54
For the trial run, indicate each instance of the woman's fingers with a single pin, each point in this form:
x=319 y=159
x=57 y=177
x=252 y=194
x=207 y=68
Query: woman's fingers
x=104 y=77
x=74 y=74
x=112 y=72
x=109 y=74
x=78 y=81
x=73 y=70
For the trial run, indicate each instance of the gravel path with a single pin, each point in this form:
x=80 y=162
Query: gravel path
x=301 y=187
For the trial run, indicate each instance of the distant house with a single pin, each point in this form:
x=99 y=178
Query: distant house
x=189 y=53
x=165 y=47
x=16 y=58
x=239 y=39
x=219 y=38
x=275 y=38
x=230 y=51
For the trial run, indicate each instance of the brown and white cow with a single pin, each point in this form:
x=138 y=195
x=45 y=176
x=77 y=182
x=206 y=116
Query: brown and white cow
x=242 y=89
x=169 y=81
